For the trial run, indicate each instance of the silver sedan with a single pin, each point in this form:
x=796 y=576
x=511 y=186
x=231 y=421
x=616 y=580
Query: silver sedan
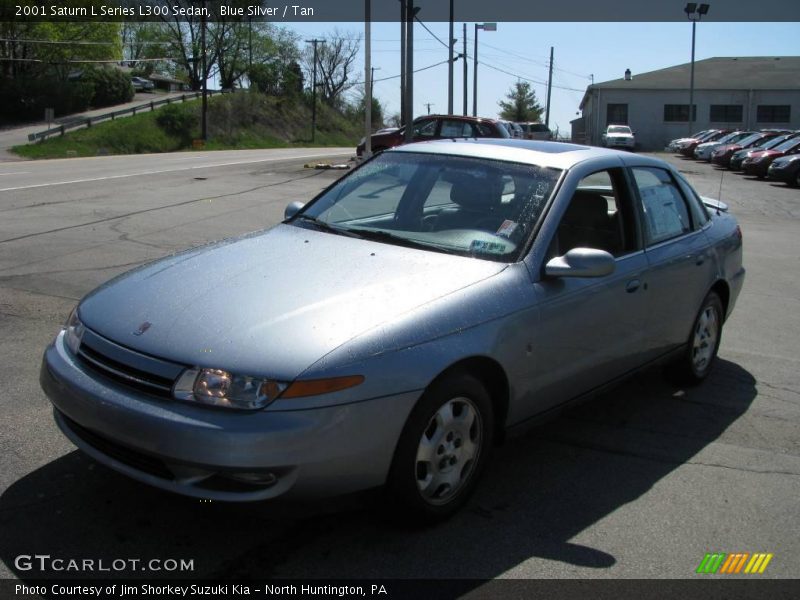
x=392 y=330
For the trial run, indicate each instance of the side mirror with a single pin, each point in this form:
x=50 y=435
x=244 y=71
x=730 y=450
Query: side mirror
x=581 y=262
x=292 y=209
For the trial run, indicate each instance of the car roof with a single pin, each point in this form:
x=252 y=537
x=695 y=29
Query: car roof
x=457 y=118
x=547 y=154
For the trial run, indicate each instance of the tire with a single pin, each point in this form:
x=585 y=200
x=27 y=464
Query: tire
x=442 y=450
x=701 y=352
x=795 y=181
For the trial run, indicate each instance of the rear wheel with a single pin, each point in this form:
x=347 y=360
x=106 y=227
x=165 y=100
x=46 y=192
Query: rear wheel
x=442 y=450
x=701 y=353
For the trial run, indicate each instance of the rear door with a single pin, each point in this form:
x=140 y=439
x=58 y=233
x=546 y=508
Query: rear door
x=680 y=261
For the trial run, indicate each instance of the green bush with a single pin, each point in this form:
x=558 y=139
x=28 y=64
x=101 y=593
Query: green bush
x=111 y=86
x=179 y=120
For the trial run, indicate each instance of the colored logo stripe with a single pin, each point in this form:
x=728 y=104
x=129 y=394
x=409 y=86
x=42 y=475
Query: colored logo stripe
x=711 y=562
x=758 y=563
x=723 y=563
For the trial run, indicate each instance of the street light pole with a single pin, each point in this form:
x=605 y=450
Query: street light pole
x=466 y=75
x=485 y=27
x=694 y=13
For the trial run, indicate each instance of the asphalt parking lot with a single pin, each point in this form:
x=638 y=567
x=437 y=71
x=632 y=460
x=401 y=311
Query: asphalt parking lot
x=638 y=483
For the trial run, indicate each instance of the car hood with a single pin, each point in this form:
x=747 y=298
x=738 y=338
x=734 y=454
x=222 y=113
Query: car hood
x=271 y=303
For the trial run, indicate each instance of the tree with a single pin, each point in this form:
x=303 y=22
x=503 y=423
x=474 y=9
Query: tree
x=522 y=105
x=335 y=63
x=143 y=44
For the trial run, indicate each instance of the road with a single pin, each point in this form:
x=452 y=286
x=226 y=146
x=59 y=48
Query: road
x=639 y=483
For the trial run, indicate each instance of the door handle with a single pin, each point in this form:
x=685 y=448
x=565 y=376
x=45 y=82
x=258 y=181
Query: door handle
x=632 y=286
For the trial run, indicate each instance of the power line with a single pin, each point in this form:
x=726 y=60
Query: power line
x=444 y=62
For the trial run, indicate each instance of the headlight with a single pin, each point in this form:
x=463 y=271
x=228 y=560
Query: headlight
x=216 y=387
x=73 y=331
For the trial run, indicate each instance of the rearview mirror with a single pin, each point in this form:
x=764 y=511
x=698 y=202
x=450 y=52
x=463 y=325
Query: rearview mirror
x=292 y=209
x=581 y=262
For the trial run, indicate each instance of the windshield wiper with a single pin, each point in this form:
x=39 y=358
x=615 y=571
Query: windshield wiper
x=325 y=226
x=380 y=235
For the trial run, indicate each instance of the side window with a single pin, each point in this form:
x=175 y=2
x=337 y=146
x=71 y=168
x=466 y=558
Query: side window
x=599 y=216
x=699 y=211
x=665 y=212
x=425 y=129
x=485 y=130
x=455 y=129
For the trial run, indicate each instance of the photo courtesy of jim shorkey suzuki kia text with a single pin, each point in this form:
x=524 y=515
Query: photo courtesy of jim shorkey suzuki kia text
x=225 y=589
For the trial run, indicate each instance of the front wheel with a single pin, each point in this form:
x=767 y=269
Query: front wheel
x=696 y=363
x=442 y=450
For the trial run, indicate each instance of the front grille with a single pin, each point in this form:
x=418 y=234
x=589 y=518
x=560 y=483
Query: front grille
x=133 y=369
x=127 y=456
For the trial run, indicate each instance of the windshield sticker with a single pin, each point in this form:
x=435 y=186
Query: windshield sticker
x=487 y=247
x=507 y=228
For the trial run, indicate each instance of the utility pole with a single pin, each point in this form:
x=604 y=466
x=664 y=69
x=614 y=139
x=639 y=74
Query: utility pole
x=450 y=61
x=314 y=89
x=368 y=77
x=403 y=115
x=428 y=106
x=465 y=69
x=549 y=88
x=204 y=75
x=411 y=12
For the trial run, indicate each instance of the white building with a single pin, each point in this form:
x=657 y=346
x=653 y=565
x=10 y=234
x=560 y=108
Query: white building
x=729 y=92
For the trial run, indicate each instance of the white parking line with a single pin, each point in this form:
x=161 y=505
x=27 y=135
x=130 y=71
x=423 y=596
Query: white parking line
x=15 y=173
x=177 y=168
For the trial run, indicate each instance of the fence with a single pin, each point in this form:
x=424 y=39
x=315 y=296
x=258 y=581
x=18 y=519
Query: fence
x=89 y=121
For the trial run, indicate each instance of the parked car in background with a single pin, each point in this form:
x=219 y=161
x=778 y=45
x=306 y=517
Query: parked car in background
x=674 y=145
x=722 y=155
x=758 y=162
x=619 y=136
x=140 y=84
x=686 y=148
x=518 y=133
x=786 y=169
x=435 y=297
x=739 y=157
x=434 y=127
x=703 y=151
x=536 y=131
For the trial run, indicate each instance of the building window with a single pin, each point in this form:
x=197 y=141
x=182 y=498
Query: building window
x=617 y=114
x=725 y=113
x=679 y=112
x=773 y=113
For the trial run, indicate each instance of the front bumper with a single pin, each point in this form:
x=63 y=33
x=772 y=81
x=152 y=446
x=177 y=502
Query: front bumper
x=216 y=454
x=620 y=143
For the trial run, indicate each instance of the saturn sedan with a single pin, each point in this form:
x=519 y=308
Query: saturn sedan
x=393 y=329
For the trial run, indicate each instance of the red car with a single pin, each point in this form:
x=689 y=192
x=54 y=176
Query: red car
x=688 y=146
x=434 y=127
x=722 y=155
x=758 y=163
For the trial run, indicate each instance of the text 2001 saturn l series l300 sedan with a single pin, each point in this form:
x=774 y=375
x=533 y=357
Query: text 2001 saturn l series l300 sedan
x=391 y=330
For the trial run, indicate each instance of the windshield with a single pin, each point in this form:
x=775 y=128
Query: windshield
x=753 y=137
x=787 y=145
x=772 y=142
x=619 y=129
x=475 y=207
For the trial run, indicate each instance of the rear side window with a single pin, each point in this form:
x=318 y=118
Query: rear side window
x=456 y=129
x=665 y=212
x=425 y=128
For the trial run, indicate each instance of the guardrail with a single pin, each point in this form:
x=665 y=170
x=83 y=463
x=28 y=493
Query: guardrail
x=89 y=121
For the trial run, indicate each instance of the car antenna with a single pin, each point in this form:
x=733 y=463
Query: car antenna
x=719 y=194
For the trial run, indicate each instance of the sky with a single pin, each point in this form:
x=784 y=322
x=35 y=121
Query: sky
x=581 y=50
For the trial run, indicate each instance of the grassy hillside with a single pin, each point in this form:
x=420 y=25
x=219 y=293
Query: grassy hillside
x=235 y=121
